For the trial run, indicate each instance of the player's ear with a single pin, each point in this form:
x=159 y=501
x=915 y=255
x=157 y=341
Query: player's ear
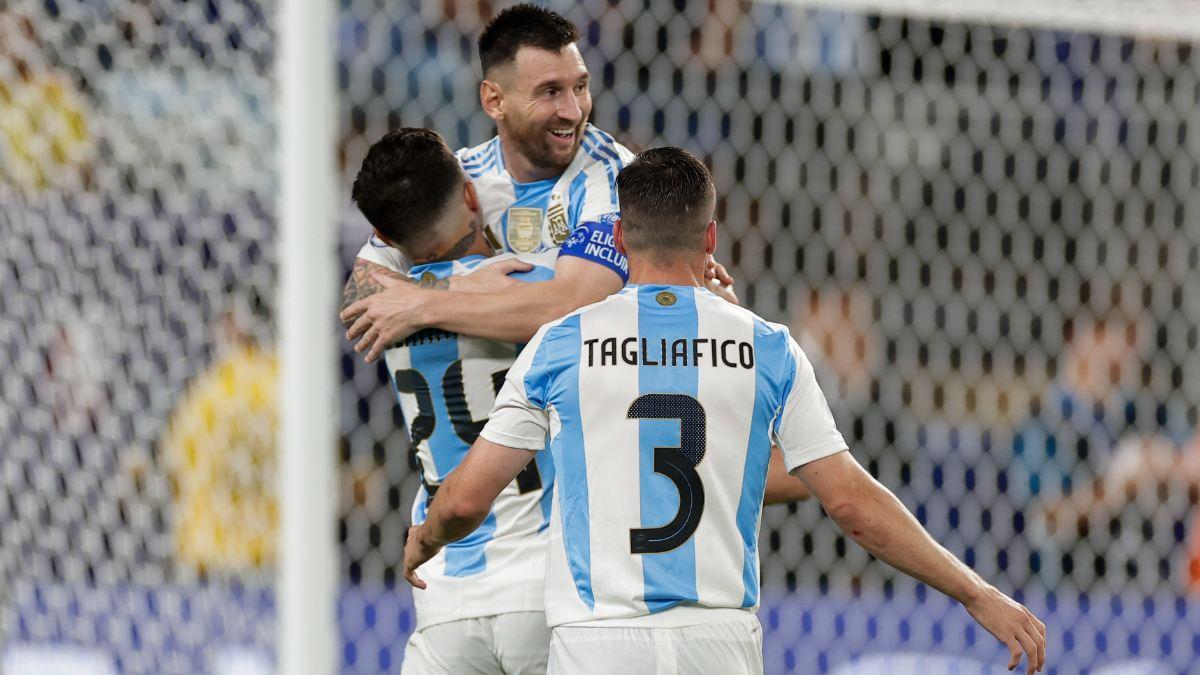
x=470 y=196
x=619 y=237
x=710 y=238
x=491 y=96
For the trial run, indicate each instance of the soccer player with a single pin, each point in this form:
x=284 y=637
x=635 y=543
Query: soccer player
x=546 y=180
x=483 y=609
x=661 y=404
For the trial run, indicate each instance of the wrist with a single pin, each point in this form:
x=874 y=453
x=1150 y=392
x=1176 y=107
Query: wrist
x=427 y=539
x=426 y=314
x=973 y=591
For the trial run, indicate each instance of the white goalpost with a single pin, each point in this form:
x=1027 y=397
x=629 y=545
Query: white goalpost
x=306 y=577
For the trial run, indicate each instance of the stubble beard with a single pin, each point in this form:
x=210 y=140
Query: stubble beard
x=532 y=143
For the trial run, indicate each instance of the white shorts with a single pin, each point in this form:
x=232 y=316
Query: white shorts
x=516 y=643
x=731 y=647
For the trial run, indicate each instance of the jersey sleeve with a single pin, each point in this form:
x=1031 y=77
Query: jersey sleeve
x=804 y=429
x=593 y=240
x=520 y=419
x=378 y=252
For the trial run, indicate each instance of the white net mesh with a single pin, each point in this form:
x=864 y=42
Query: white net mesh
x=988 y=235
x=136 y=479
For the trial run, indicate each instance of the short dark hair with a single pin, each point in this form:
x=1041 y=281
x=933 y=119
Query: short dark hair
x=667 y=200
x=406 y=181
x=523 y=25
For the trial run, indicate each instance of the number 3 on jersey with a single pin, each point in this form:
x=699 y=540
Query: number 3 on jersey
x=677 y=464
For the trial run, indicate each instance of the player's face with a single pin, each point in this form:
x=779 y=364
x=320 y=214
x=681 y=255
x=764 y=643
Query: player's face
x=548 y=105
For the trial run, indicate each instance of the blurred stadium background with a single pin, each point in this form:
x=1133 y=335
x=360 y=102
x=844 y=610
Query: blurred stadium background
x=983 y=222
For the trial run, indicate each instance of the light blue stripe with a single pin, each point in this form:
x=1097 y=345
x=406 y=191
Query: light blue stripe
x=545 y=465
x=480 y=154
x=482 y=169
x=499 y=154
x=604 y=142
x=560 y=350
x=669 y=577
x=607 y=162
x=577 y=195
x=469 y=556
x=431 y=360
x=772 y=361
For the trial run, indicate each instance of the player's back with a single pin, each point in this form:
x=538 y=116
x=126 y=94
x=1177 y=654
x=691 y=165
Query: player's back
x=663 y=401
x=445 y=384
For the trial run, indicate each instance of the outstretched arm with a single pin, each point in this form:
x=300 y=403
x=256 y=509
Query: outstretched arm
x=511 y=315
x=463 y=501
x=368 y=278
x=876 y=519
x=782 y=487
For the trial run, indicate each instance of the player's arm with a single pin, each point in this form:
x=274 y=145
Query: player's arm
x=463 y=501
x=511 y=315
x=516 y=429
x=782 y=487
x=516 y=314
x=814 y=450
x=362 y=282
x=876 y=519
x=368 y=278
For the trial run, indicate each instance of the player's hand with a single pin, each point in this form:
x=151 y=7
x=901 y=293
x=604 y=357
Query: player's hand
x=416 y=553
x=490 y=278
x=1012 y=624
x=718 y=280
x=386 y=317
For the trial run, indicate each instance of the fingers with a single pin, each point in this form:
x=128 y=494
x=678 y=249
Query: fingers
x=1037 y=631
x=511 y=266
x=360 y=326
x=377 y=348
x=1039 y=640
x=1014 y=651
x=1029 y=645
x=368 y=339
x=410 y=575
x=353 y=311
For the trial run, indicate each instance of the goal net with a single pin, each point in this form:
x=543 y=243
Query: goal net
x=982 y=223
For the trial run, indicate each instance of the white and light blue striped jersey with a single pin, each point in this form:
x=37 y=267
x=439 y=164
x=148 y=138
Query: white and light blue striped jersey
x=574 y=212
x=446 y=384
x=661 y=404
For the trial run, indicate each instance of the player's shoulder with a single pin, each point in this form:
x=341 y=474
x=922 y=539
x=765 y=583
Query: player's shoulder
x=763 y=329
x=602 y=148
x=480 y=161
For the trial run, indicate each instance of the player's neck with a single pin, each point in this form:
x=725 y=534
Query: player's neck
x=466 y=242
x=668 y=272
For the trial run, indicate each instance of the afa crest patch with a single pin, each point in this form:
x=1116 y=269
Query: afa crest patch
x=524 y=232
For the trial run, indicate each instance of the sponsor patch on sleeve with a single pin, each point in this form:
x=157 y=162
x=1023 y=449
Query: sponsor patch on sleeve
x=593 y=240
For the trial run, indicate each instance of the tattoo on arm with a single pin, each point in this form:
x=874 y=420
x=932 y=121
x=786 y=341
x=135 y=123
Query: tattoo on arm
x=361 y=285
